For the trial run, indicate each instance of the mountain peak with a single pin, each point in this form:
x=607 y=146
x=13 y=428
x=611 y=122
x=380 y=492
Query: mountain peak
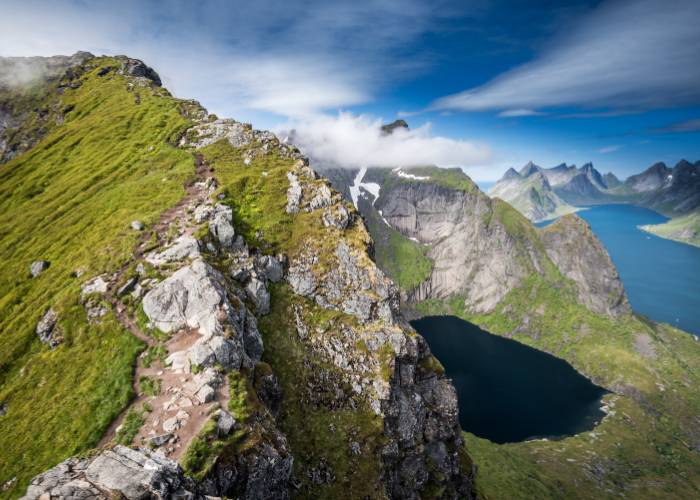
x=511 y=173
x=390 y=127
x=529 y=169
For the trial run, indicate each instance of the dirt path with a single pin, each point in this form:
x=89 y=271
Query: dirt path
x=176 y=413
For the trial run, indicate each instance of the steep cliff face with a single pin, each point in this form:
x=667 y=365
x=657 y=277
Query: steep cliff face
x=580 y=256
x=277 y=359
x=474 y=254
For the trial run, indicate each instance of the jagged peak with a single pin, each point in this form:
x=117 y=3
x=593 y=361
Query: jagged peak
x=529 y=169
x=511 y=173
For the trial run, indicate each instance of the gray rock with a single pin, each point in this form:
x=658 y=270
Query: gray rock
x=159 y=440
x=205 y=394
x=97 y=285
x=322 y=198
x=137 y=225
x=202 y=213
x=580 y=256
x=220 y=225
x=47 y=331
x=184 y=247
x=121 y=471
x=256 y=290
x=272 y=268
x=294 y=193
x=3 y=409
x=128 y=286
x=192 y=296
x=37 y=267
x=225 y=423
x=337 y=216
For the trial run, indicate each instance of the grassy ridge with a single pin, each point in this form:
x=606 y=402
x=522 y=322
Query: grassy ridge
x=69 y=200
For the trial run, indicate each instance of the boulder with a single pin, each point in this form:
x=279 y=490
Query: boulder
x=137 y=225
x=225 y=423
x=46 y=329
x=128 y=286
x=202 y=213
x=192 y=296
x=38 y=267
x=257 y=293
x=119 y=472
x=98 y=284
x=184 y=247
x=220 y=225
x=272 y=268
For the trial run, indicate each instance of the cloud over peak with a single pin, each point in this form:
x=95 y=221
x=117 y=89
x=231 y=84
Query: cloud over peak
x=349 y=140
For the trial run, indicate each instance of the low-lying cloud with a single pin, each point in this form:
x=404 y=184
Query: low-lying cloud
x=637 y=54
x=349 y=140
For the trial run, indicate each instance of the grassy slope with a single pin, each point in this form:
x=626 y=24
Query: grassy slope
x=314 y=432
x=642 y=450
x=676 y=226
x=70 y=200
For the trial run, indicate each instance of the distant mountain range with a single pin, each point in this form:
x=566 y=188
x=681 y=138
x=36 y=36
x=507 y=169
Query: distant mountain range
x=544 y=193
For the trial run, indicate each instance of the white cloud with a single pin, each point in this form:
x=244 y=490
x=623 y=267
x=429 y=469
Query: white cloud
x=349 y=140
x=631 y=54
x=510 y=113
x=269 y=56
x=609 y=149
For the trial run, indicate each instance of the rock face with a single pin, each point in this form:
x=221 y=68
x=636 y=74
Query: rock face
x=474 y=254
x=21 y=129
x=579 y=255
x=117 y=473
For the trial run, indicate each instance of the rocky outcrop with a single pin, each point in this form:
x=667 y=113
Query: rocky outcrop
x=117 y=473
x=47 y=331
x=474 y=254
x=580 y=256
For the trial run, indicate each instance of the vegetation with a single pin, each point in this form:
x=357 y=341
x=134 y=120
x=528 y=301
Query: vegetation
x=149 y=386
x=70 y=200
x=206 y=447
x=685 y=228
x=643 y=447
x=129 y=428
x=316 y=433
x=405 y=261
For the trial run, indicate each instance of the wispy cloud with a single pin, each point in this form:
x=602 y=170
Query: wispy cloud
x=510 y=113
x=609 y=149
x=627 y=54
x=349 y=140
x=265 y=55
x=685 y=126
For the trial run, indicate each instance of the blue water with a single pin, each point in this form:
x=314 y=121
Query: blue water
x=662 y=277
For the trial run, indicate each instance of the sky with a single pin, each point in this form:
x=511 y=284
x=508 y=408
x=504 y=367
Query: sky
x=483 y=84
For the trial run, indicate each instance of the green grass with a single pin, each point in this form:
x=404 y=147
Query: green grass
x=316 y=432
x=676 y=228
x=207 y=446
x=643 y=449
x=130 y=427
x=70 y=200
x=405 y=261
x=149 y=386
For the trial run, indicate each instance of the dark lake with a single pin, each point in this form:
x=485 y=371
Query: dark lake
x=510 y=392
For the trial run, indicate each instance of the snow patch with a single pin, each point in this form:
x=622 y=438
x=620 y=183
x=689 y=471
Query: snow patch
x=403 y=174
x=371 y=187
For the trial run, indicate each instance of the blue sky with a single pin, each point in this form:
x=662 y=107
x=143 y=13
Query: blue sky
x=484 y=84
